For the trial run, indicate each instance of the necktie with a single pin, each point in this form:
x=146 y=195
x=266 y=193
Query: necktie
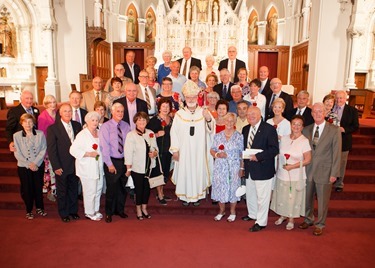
x=224 y=91
x=70 y=133
x=316 y=137
x=76 y=116
x=232 y=70
x=96 y=96
x=252 y=135
x=185 y=67
x=29 y=111
x=120 y=140
x=298 y=112
x=273 y=98
x=147 y=99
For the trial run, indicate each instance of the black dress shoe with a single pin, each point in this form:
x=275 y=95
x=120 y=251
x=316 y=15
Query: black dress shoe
x=256 y=227
x=108 y=218
x=122 y=215
x=65 y=219
x=162 y=201
x=247 y=218
x=147 y=216
x=167 y=198
x=339 y=189
x=74 y=216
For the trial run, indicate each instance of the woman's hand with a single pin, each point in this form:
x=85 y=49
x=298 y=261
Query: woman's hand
x=221 y=155
x=287 y=167
x=160 y=133
x=33 y=167
x=153 y=154
x=241 y=173
x=176 y=156
x=127 y=173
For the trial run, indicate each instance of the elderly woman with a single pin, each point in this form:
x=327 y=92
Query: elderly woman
x=164 y=68
x=89 y=165
x=166 y=92
x=242 y=81
x=255 y=98
x=289 y=195
x=222 y=108
x=280 y=123
x=140 y=150
x=117 y=93
x=161 y=126
x=212 y=99
x=151 y=62
x=101 y=109
x=330 y=116
x=226 y=148
x=210 y=61
x=45 y=119
x=152 y=80
x=31 y=146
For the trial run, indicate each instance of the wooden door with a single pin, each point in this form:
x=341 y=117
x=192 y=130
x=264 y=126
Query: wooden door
x=139 y=56
x=41 y=77
x=269 y=59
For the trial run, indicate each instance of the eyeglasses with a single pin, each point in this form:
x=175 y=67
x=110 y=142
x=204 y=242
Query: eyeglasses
x=167 y=84
x=143 y=76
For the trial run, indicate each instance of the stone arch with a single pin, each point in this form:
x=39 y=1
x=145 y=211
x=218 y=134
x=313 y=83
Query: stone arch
x=253 y=27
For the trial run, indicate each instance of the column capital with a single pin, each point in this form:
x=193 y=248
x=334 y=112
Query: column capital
x=354 y=33
x=48 y=26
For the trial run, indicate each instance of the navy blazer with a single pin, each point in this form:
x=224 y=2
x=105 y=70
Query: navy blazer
x=13 y=120
x=267 y=140
x=193 y=62
x=219 y=90
x=306 y=116
x=239 y=64
x=82 y=112
x=128 y=73
x=349 y=121
x=58 y=145
x=141 y=107
x=288 y=104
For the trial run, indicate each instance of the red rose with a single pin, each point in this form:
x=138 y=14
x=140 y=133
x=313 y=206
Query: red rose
x=255 y=104
x=275 y=126
x=176 y=96
x=158 y=99
x=241 y=85
x=163 y=124
x=95 y=146
x=212 y=72
x=330 y=120
x=221 y=147
x=151 y=135
x=287 y=156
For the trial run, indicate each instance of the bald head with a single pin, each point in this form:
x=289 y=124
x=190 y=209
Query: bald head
x=263 y=73
x=253 y=115
x=26 y=98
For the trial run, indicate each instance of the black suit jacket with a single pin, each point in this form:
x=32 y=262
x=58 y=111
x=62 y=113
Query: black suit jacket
x=288 y=104
x=306 y=115
x=58 y=145
x=219 y=90
x=13 y=120
x=141 y=107
x=239 y=64
x=265 y=139
x=82 y=111
x=267 y=88
x=194 y=62
x=128 y=73
x=349 y=121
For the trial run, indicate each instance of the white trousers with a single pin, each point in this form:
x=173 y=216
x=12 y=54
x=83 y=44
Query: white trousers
x=258 y=196
x=92 y=190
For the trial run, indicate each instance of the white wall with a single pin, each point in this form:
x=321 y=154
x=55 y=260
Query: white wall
x=71 y=44
x=327 y=48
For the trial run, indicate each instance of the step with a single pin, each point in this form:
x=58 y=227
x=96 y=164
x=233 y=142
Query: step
x=359 y=176
x=6 y=155
x=363 y=149
x=363 y=139
x=9 y=184
x=367 y=130
x=361 y=162
x=351 y=209
x=3 y=142
x=8 y=169
x=355 y=192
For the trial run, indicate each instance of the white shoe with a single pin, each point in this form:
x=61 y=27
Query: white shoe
x=231 y=218
x=219 y=216
x=280 y=220
x=99 y=215
x=92 y=217
x=290 y=226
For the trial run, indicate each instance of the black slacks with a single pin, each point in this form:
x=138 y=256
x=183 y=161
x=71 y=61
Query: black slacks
x=67 y=194
x=142 y=188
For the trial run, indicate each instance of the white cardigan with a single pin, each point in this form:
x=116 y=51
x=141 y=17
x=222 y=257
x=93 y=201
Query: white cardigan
x=135 y=150
x=87 y=167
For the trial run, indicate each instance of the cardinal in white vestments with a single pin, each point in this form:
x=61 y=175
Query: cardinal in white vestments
x=189 y=132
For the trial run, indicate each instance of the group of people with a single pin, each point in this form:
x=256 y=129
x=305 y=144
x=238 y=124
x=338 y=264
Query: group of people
x=224 y=132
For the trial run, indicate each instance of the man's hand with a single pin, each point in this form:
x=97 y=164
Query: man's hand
x=112 y=169
x=59 y=171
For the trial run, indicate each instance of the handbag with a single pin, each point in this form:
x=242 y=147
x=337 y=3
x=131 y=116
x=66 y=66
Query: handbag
x=156 y=180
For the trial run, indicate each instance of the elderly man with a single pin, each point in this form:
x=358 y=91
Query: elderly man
x=190 y=128
x=112 y=137
x=187 y=62
x=236 y=93
x=302 y=109
x=265 y=87
x=177 y=78
x=324 y=168
x=131 y=69
x=349 y=123
x=96 y=94
x=241 y=118
x=60 y=137
x=147 y=93
x=232 y=64
x=223 y=89
x=259 y=167
x=14 y=114
x=119 y=71
x=277 y=93
x=131 y=104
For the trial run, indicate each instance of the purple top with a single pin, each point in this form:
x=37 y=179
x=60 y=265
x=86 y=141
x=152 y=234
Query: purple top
x=108 y=140
x=44 y=121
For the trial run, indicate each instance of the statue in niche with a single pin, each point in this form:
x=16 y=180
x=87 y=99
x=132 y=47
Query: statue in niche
x=216 y=13
x=150 y=28
x=7 y=33
x=188 y=11
x=131 y=27
x=202 y=10
x=253 y=30
x=272 y=30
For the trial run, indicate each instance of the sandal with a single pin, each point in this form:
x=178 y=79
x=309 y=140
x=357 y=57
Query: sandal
x=41 y=212
x=290 y=226
x=219 y=216
x=231 y=218
x=29 y=216
x=280 y=220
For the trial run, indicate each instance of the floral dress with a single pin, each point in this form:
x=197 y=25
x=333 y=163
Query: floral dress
x=225 y=175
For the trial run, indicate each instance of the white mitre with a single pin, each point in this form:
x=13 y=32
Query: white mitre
x=190 y=88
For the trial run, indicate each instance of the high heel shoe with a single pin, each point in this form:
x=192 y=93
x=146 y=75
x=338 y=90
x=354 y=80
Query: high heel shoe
x=147 y=216
x=140 y=218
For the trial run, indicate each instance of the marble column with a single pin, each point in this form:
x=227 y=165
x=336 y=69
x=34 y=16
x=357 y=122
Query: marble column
x=306 y=20
x=97 y=10
x=352 y=56
x=141 y=30
x=262 y=32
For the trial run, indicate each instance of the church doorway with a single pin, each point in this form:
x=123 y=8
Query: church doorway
x=269 y=59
